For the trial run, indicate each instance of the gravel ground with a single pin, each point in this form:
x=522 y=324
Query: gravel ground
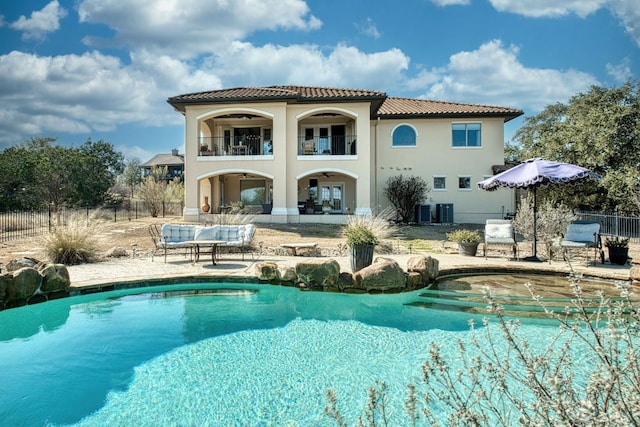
x=268 y=237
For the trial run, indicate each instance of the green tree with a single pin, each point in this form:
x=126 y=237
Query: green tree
x=600 y=130
x=39 y=172
x=405 y=193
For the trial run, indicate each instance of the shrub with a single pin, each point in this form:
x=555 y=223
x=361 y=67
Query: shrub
x=74 y=243
x=405 y=193
x=367 y=229
x=464 y=236
x=616 y=242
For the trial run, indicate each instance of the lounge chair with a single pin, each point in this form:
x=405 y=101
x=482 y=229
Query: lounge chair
x=500 y=232
x=582 y=236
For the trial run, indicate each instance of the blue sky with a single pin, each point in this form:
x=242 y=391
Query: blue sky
x=103 y=69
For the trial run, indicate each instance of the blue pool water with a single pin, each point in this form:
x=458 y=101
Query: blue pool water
x=234 y=354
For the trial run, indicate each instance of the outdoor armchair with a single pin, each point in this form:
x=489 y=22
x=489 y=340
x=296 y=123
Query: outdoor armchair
x=500 y=233
x=582 y=236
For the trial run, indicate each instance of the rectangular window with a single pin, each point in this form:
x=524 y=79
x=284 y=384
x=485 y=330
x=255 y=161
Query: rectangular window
x=464 y=183
x=439 y=183
x=466 y=135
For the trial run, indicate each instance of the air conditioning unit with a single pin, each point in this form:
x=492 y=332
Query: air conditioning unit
x=423 y=214
x=444 y=213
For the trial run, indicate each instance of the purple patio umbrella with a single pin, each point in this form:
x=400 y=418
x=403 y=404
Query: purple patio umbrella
x=533 y=173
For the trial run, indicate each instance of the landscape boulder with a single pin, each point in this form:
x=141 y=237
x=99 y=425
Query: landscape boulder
x=267 y=271
x=55 y=278
x=318 y=274
x=18 y=263
x=288 y=275
x=427 y=267
x=33 y=283
x=385 y=274
x=634 y=273
x=25 y=283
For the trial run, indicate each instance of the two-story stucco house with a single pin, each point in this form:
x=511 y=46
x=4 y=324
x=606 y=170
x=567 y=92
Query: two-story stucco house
x=287 y=150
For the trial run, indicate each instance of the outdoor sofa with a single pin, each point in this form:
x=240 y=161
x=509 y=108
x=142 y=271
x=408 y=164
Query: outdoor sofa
x=175 y=236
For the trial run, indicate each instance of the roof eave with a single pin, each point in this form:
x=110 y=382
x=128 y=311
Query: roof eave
x=507 y=116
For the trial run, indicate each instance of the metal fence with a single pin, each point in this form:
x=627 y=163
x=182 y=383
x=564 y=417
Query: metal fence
x=614 y=224
x=16 y=225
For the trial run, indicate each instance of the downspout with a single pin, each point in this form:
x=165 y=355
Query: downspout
x=375 y=163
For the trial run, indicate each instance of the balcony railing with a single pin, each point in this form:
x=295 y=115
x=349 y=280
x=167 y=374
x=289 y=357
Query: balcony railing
x=337 y=145
x=250 y=145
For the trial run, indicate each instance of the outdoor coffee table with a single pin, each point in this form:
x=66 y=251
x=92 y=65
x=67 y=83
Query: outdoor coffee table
x=195 y=245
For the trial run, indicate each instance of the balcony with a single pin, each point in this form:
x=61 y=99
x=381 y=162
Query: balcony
x=248 y=145
x=337 y=145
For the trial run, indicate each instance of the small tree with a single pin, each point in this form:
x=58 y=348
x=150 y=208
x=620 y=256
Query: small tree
x=405 y=193
x=552 y=220
x=151 y=190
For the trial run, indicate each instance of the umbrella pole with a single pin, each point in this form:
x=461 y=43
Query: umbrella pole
x=534 y=258
x=535 y=223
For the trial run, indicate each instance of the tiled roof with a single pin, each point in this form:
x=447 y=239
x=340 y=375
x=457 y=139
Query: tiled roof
x=164 y=160
x=381 y=106
x=394 y=107
x=300 y=93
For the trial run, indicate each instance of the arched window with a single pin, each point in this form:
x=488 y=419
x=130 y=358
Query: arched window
x=404 y=136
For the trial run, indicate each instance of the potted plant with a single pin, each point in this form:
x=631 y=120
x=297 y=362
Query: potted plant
x=363 y=233
x=467 y=241
x=309 y=206
x=326 y=207
x=618 y=248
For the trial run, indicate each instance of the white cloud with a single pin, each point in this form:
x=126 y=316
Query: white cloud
x=80 y=93
x=369 y=28
x=345 y=66
x=548 y=8
x=628 y=11
x=492 y=74
x=41 y=22
x=185 y=29
x=620 y=72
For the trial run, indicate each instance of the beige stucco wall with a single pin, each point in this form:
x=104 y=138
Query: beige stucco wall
x=434 y=155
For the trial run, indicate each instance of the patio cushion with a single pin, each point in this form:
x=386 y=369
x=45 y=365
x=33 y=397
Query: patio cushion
x=173 y=233
x=207 y=233
x=496 y=232
x=582 y=233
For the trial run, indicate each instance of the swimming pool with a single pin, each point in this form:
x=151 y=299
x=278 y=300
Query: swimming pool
x=215 y=354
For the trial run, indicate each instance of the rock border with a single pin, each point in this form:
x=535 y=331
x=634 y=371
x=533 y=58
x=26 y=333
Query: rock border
x=383 y=275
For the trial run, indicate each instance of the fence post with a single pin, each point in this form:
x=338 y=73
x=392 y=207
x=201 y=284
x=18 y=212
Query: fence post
x=50 y=217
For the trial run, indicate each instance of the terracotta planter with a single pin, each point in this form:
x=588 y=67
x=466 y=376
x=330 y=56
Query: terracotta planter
x=468 y=248
x=618 y=256
x=205 y=206
x=361 y=256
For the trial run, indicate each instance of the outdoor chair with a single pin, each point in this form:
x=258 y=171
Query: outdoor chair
x=580 y=236
x=500 y=233
x=308 y=147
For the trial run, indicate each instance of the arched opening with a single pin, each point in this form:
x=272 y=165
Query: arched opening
x=235 y=132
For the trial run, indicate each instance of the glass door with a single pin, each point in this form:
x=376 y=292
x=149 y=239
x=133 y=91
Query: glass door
x=333 y=194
